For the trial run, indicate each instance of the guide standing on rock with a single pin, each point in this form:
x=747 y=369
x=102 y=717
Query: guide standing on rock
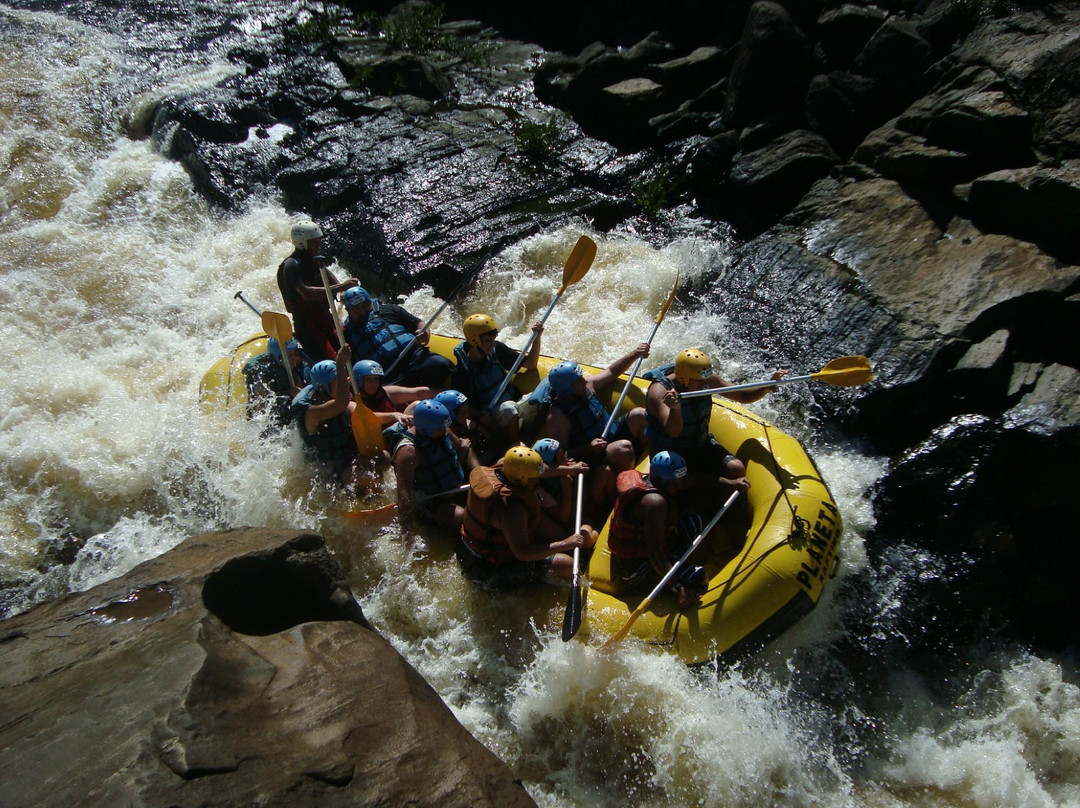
x=301 y=287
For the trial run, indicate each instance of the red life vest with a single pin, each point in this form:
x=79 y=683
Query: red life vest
x=488 y=492
x=626 y=535
x=378 y=403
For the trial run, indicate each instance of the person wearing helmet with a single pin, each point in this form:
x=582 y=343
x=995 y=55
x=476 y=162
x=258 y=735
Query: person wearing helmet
x=576 y=418
x=507 y=540
x=482 y=364
x=643 y=534
x=428 y=464
x=462 y=426
x=323 y=413
x=682 y=425
x=268 y=388
x=556 y=492
x=389 y=402
x=383 y=331
x=301 y=286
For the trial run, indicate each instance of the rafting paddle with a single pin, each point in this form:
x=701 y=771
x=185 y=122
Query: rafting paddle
x=844 y=371
x=581 y=258
x=279 y=327
x=365 y=426
x=640 y=610
x=572 y=619
x=637 y=364
x=427 y=325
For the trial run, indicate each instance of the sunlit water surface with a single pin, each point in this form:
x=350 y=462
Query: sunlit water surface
x=117 y=292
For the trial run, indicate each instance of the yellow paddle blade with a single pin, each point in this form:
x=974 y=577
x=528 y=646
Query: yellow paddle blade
x=581 y=258
x=670 y=297
x=845 y=371
x=277 y=326
x=367 y=431
x=619 y=635
x=374 y=517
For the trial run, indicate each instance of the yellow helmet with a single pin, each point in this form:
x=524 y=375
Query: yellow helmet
x=521 y=464
x=477 y=324
x=692 y=364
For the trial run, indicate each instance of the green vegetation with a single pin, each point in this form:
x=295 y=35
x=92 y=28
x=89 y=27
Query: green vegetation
x=537 y=139
x=653 y=191
x=320 y=27
x=975 y=10
x=417 y=29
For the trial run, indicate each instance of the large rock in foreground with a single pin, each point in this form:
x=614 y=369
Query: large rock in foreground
x=236 y=669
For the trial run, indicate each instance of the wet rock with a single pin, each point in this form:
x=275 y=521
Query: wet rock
x=770 y=180
x=235 y=669
x=989 y=496
x=402 y=73
x=1036 y=204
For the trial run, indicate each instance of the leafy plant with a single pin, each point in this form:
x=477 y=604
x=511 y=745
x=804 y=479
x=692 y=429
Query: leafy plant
x=320 y=27
x=416 y=29
x=975 y=10
x=536 y=139
x=652 y=191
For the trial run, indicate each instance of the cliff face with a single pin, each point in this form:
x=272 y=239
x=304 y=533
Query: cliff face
x=236 y=669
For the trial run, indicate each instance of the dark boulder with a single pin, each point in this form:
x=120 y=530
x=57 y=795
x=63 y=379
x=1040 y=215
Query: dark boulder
x=771 y=69
x=843 y=32
x=772 y=179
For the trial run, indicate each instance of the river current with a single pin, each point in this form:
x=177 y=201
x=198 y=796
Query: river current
x=117 y=288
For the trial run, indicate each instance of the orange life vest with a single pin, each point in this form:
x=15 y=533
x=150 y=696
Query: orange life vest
x=626 y=535
x=489 y=491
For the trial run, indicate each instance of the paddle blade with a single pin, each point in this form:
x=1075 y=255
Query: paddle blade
x=619 y=635
x=845 y=371
x=572 y=619
x=670 y=297
x=581 y=258
x=374 y=517
x=367 y=431
x=277 y=326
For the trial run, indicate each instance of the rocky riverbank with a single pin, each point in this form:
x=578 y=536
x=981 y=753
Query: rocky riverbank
x=236 y=669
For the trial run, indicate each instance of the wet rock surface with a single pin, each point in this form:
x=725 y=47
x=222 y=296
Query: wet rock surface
x=235 y=669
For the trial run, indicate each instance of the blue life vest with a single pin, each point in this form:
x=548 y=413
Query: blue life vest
x=484 y=378
x=333 y=441
x=376 y=339
x=438 y=468
x=587 y=418
x=696 y=413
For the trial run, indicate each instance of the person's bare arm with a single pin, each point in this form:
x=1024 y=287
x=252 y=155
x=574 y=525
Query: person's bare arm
x=515 y=527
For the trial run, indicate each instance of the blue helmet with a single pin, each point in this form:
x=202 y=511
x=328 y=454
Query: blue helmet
x=452 y=400
x=274 y=349
x=323 y=374
x=429 y=417
x=665 y=467
x=547 y=448
x=563 y=376
x=355 y=296
x=368 y=367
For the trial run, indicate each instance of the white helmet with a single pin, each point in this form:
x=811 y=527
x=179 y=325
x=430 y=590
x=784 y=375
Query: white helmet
x=302 y=232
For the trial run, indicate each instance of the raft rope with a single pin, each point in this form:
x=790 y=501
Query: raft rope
x=800 y=527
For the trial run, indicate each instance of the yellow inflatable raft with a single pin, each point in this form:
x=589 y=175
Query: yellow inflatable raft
x=768 y=560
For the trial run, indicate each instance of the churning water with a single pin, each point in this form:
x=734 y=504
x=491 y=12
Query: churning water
x=116 y=291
